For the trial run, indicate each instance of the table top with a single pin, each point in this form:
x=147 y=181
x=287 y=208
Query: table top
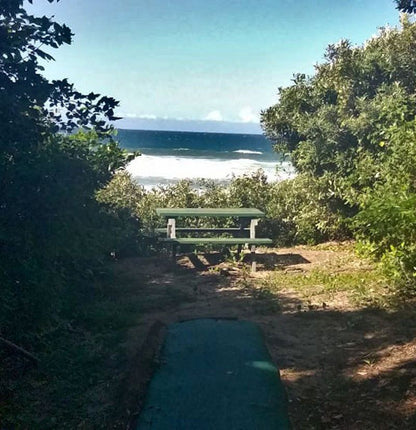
x=211 y=212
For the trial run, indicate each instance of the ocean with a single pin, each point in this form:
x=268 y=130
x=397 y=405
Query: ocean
x=169 y=156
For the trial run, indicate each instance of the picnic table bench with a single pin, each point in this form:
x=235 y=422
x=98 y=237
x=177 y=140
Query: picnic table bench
x=247 y=219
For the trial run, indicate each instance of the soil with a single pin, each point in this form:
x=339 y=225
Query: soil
x=344 y=366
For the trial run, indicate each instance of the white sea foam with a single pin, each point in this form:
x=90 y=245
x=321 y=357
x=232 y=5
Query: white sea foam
x=247 y=151
x=151 y=170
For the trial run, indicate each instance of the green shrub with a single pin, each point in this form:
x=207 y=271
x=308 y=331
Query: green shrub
x=386 y=226
x=350 y=130
x=297 y=210
x=302 y=211
x=54 y=235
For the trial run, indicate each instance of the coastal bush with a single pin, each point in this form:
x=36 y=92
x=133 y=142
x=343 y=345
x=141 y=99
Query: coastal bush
x=56 y=150
x=301 y=211
x=386 y=222
x=351 y=127
x=123 y=193
x=386 y=226
x=55 y=234
x=408 y=6
x=297 y=210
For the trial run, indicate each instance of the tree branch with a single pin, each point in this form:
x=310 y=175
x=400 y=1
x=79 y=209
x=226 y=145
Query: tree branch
x=19 y=350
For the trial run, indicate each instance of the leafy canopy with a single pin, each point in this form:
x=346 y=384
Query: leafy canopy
x=352 y=127
x=408 y=6
x=57 y=149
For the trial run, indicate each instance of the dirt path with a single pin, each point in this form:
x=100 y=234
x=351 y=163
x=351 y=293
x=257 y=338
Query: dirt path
x=344 y=366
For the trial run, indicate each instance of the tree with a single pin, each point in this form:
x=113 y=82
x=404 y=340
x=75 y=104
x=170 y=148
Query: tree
x=352 y=126
x=330 y=121
x=408 y=6
x=57 y=149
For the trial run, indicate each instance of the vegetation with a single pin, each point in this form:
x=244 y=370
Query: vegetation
x=408 y=6
x=67 y=206
x=350 y=129
x=54 y=235
x=296 y=211
x=343 y=275
x=56 y=150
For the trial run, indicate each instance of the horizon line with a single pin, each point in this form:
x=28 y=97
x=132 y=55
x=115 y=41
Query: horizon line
x=189 y=131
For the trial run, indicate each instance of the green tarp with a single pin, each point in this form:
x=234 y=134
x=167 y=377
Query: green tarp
x=216 y=375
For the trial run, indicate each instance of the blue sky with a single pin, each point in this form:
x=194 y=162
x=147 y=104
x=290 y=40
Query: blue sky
x=216 y=60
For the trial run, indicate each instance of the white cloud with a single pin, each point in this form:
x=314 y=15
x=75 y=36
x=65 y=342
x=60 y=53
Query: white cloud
x=215 y=115
x=135 y=115
x=147 y=116
x=246 y=114
x=126 y=115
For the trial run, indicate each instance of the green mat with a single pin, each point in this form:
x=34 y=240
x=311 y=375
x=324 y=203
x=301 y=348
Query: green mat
x=217 y=375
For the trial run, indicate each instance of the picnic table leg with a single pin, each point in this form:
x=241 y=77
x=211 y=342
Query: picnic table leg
x=171 y=228
x=253 y=258
x=240 y=234
x=171 y=234
x=253 y=224
x=243 y=224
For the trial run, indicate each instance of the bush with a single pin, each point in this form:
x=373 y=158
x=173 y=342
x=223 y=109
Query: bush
x=297 y=210
x=54 y=235
x=350 y=130
x=302 y=210
x=386 y=226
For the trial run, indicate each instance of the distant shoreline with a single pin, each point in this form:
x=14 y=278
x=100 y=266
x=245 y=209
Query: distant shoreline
x=188 y=132
x=192 y=126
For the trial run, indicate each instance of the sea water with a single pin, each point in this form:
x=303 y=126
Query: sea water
x=169 y=156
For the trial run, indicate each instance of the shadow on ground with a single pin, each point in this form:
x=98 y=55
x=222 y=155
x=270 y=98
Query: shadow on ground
x=266 y=261
x=342 y=368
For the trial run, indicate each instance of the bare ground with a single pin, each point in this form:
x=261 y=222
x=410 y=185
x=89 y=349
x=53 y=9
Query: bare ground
x=344 y=366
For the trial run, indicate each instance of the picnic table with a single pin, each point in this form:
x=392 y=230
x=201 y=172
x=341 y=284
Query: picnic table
x=248 y=219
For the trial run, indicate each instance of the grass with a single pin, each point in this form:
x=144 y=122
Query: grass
x=361 y=282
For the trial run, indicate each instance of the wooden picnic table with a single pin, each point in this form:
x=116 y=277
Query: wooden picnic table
x=248 y=219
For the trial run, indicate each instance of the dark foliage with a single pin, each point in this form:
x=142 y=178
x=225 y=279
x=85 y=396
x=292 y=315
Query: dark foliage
x=408 y=6
x=53 y=233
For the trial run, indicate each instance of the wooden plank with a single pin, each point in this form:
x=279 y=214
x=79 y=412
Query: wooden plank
x=211 y=212
x=217 y=241
x=202 y=230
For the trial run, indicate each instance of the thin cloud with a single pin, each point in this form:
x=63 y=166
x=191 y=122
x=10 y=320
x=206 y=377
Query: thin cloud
x=246 y=114
x=126 y=115
x=147 y=116
x=135 y=115
x=215 y=115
